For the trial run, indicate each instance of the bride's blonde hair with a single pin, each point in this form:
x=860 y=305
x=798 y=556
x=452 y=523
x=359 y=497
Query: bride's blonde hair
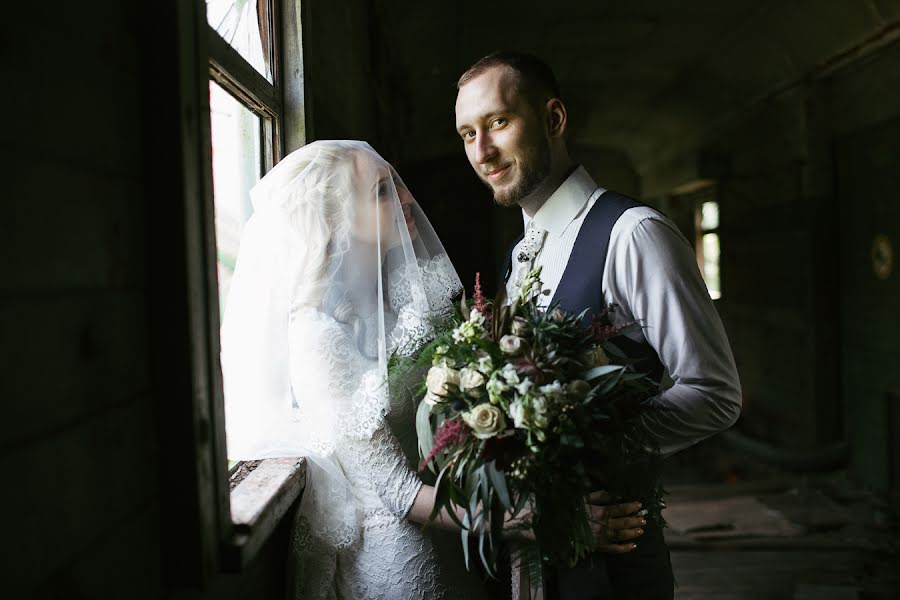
x=314 y=192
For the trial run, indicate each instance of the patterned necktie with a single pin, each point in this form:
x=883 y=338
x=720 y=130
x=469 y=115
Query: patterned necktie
x=531 y=243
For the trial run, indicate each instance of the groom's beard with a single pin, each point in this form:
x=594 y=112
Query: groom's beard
x=534 y=168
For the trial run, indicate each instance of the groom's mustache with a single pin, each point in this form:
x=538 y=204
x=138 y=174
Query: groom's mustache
x=487 y=171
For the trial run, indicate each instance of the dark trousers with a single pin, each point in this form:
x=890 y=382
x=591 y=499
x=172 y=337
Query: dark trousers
x=645 y=573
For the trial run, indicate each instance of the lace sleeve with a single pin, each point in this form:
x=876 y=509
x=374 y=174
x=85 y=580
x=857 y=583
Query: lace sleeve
x=388 y=471
x=341 y=404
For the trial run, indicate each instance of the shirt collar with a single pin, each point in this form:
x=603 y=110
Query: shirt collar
x=564 y=204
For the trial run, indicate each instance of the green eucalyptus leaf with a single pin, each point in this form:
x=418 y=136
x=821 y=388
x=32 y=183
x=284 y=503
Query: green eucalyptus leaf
x=483 y=481
x=601 y=371
x=441 y=495
x=612 y=350
x=463 y=307
x=483 y=533
x=473 y=500
x=633 y=376
x=610 y=384
x=464 y=534
x=444 y=490
x=461 y=467
x=423 y=430
x=498 y=481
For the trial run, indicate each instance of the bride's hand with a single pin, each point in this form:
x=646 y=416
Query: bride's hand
x=614 y=525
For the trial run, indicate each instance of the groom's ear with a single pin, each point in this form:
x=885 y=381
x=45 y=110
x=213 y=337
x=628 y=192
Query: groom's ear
x=557 y=118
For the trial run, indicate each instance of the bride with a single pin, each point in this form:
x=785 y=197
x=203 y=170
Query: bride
x=338 y=271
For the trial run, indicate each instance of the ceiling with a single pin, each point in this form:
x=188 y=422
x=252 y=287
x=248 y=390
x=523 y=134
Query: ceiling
x=640 y=77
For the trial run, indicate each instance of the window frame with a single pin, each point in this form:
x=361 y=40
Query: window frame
x=687 y=201
x=239 y=78
x=234 y=523
x=707 y=194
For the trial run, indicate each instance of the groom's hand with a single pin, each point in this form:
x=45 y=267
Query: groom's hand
x=614 y=525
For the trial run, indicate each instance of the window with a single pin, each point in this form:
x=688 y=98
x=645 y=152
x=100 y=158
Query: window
x=247 y=26
x=245 y=116
x=236 y=167
x=694 y=207
x=707 y=245
x=246 y=138
x=214 y=120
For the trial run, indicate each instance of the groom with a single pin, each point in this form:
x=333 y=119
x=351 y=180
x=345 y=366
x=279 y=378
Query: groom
x=597 y=247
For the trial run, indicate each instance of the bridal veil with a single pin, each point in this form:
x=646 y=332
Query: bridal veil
x=334 y=235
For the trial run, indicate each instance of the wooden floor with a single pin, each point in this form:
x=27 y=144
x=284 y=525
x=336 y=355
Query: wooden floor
x=773 y=540
x=782 y=574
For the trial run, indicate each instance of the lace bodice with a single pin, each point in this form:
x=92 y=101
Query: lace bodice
x=437 y=277
x=351 y=538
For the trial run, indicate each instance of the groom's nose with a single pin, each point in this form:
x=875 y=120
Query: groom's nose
x=485 y=150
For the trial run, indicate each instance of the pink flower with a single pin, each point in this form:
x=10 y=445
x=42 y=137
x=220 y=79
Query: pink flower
x=451 y=432
x=478 y=296
x=601 y=328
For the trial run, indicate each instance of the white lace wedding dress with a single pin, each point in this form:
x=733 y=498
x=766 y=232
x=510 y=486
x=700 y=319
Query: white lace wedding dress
x=386 y=556
x=339 y=269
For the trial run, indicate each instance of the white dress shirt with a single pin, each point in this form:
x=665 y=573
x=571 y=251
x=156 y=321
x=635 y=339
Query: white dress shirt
x=651 y=273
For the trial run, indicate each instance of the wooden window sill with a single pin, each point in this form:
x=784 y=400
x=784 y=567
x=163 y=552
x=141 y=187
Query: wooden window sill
x=258 y=503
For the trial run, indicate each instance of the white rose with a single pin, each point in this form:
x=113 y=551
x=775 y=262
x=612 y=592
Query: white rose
x=441 y=380
x=476 y=317
x=470 y=381
x=517 y=412
x=511 y=344
x=485 y=420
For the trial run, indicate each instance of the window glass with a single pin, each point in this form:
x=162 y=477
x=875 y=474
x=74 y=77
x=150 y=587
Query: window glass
x=237 y=160
x=709 y=216
x=244 y=25
x=711 y=264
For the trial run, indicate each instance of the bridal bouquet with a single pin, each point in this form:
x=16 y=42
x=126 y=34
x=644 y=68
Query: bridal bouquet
x=525 y=412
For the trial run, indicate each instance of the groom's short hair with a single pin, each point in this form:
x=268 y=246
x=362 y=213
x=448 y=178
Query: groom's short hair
x=534 y=78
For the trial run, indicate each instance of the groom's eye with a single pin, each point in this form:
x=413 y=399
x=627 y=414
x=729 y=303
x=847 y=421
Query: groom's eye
x=468 y=135
x=499 y=122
